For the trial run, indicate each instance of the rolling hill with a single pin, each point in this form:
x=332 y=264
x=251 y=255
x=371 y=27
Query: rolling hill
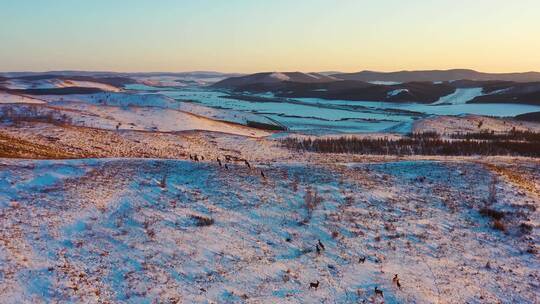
x=302 y=85
x=270 y=78
x=438 y=75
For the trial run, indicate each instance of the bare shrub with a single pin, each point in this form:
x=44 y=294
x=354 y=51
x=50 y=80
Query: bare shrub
x=494 y=214
x=499 y=225
x=202 y=220
x=32 y=113
x=311 y=200
x=525 y=228
x=163 y=182
x=492 y=194
x=294 y=184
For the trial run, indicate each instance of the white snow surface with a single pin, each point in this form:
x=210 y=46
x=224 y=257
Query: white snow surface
x=148 y=119
x=460 y=96
x=145 y=231
x=280 y=76
x=384 y=82
x=86 y=84
x=164 y=102
x=396 y=92
x=56 y=83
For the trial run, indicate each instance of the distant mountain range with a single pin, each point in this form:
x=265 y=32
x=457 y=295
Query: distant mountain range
x=456 y=86
x=194 y=74
x=438 y=75
x=392 y=87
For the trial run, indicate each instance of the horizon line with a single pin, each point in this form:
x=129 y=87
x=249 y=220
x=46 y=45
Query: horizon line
x=263 y=71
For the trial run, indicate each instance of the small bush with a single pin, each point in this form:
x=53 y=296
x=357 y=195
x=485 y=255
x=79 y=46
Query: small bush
x=492 y=197
x=202 y=220
x=494 y=214
x=525 y=228
x=312 y=199
x=163 y=182
x=499 y=225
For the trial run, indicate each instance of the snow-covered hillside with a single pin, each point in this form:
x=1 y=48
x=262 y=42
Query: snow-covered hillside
x=21 y=84
x=14 y=98
x=472 y=124
x=149 y=119
x=460 y=96
x=86 y=84
x=155 y=102
x=133 y=231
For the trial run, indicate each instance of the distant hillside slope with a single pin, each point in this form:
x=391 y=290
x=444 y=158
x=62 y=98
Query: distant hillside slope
x=438 y=75
x=298 y=85
x=525 y=93
x=424 y=92
x=534 y=116
x=198 y=74
x=110 y=80
x=272 y=78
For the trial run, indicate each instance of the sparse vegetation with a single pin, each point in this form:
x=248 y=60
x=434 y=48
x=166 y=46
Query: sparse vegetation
x=499 y=225
x=494 y=214
x=416 y=145
x=492 y=192
x=163 y=182
x=311 y=200
x=526 y=228
x=32 y=113
x=425 y=135
x=513 y=135
x=202 y=221
x=11 y=147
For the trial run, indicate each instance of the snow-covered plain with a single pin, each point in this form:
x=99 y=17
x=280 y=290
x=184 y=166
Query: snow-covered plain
x=134 y=231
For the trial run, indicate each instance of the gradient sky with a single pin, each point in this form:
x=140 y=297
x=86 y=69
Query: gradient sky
x=269 y=35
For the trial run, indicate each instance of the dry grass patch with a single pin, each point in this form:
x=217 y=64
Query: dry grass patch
x=514 y=176
x=11 y=147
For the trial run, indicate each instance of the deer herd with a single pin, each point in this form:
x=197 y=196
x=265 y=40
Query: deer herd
x=228 y=158
x=319 y=246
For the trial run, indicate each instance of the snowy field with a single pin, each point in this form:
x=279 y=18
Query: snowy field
x=314 y=116
x=320 y=116
x=169 y=196
x=146 y=231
